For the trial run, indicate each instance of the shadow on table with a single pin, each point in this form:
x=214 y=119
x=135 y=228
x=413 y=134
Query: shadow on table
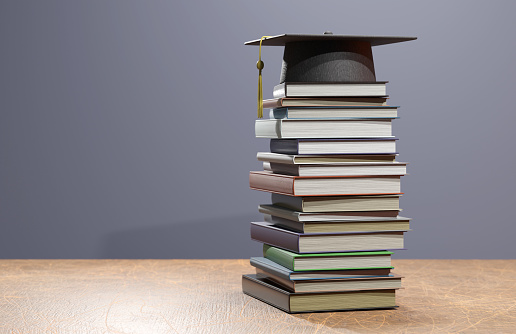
x=215 y=238
x=387 y=320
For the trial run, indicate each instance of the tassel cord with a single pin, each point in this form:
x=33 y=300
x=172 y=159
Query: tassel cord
x=260 y=65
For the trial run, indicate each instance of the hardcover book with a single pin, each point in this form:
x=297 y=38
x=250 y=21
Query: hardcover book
x=324 y=102
x=263 y=264
x=340 y=284
x=330 y=89
x=328 y=261
x=323 y=158
x=334 y=146
x=333 y=216
x=340 y=227
x=359 y=112
x=300 y=302
x=324 y=185
x=341 y=128
x=343 y=169
x=322 y=204
x=343 y=242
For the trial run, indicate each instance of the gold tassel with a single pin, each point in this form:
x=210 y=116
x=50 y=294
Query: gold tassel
x=259 y=66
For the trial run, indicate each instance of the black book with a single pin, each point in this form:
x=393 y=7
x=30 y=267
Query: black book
x=334 y=146
x=325 y=242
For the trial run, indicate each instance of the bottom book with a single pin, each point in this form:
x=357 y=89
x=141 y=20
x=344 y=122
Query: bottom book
x=330 y=301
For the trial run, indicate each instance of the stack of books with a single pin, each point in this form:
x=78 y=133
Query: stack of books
x=333 y=221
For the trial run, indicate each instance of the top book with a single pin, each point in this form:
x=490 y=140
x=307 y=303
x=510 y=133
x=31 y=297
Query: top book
x=330 y=89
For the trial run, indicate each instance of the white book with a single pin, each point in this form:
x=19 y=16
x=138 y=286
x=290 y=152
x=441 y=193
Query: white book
x=333 y=113
x=343 y=169
x=314 y=89
x=342 y=128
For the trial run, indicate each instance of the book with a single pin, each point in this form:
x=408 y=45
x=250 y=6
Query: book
x=339 y=284
x=324 y=102
x=273 y=235
x=340 y=227
x=322 y=159
x=343 y=169
x=320 y=204
x=334 y=146
x=335 y=216
x=328 y=261
x=330 y=89
x=320 y=128
x=324 y=185
x=264 y=265
x=334 y=112
x=299 y=302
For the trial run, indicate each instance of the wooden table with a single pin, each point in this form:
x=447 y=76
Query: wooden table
x=204 y=296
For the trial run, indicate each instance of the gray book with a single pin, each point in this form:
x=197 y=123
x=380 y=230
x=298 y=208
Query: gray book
x=299 y=302
x=263 y=264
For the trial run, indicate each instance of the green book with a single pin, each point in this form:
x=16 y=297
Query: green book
x=328 y=261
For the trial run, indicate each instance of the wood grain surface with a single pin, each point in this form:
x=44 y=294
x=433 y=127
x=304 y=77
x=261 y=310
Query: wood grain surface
x=204 y=296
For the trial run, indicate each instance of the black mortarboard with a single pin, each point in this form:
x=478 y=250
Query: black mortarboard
x=326 y=57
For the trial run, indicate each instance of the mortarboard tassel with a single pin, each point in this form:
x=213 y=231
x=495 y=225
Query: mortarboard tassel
x=259 y=65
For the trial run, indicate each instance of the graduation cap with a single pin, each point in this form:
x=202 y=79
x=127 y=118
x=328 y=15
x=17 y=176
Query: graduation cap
x=324 y=58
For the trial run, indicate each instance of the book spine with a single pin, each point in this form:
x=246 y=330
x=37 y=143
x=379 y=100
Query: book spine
x=270 y=269
x=289 y=202
x=271 y=183
x=273 y=103
x=286 y=169
x=279 y=91
x=258 y=290
x=284 y=146
x=271 y=157
x=278 y=113
x=275 y=237
x=277 y=255
x=267 y=128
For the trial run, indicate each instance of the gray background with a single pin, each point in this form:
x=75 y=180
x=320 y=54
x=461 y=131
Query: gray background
x=126 y=127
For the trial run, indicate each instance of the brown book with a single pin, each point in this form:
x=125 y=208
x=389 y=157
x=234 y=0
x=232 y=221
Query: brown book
x=324 y=185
